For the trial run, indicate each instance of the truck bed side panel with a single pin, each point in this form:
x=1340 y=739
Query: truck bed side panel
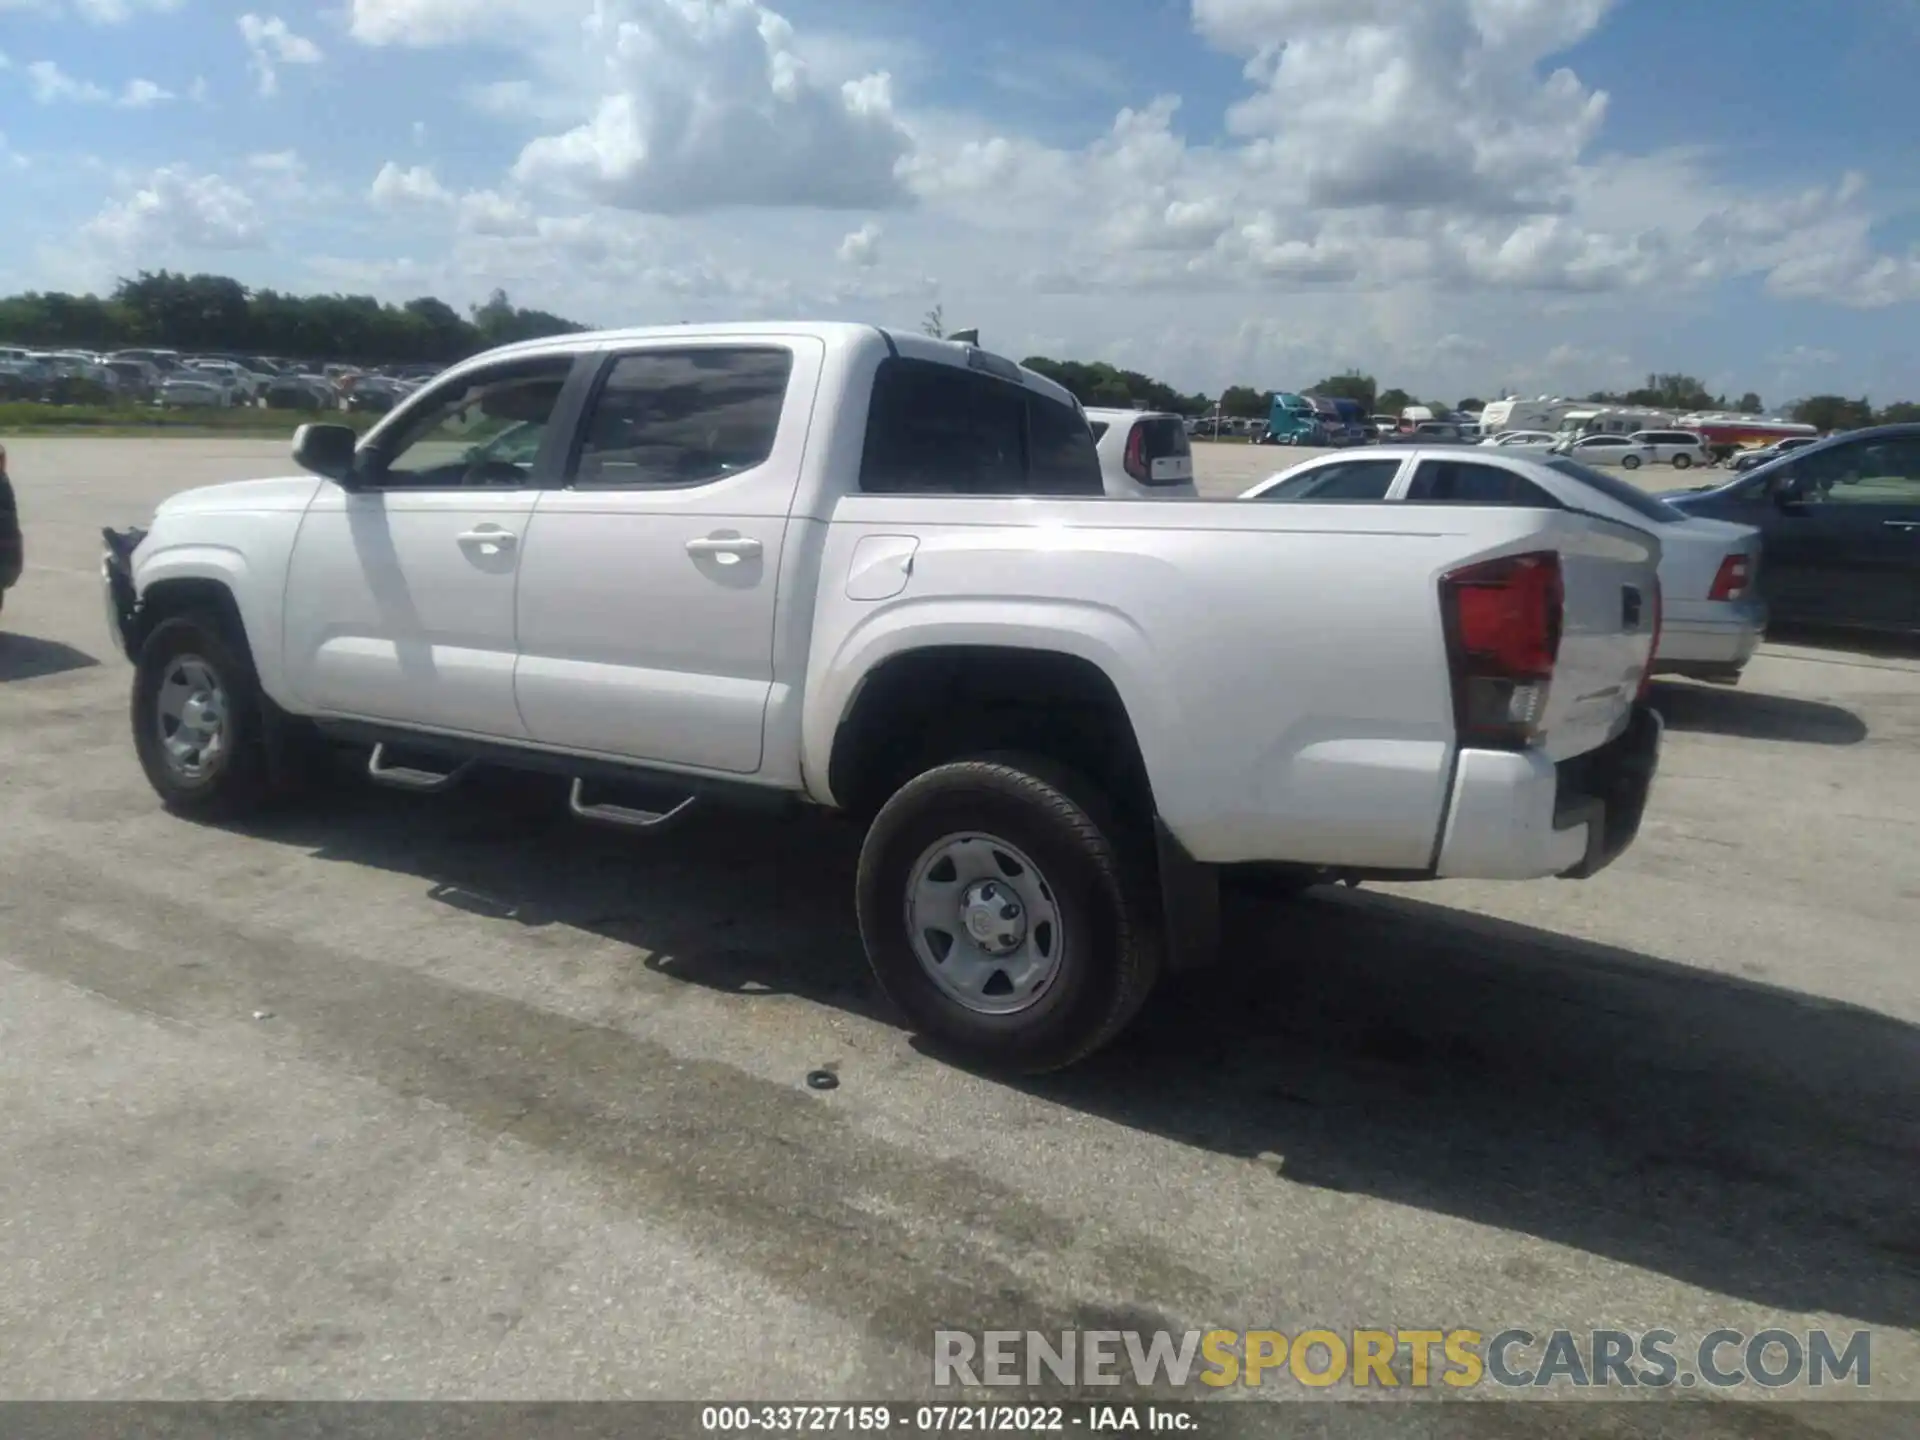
x=1284 y=667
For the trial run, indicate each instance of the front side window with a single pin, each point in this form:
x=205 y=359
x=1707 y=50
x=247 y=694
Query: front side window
x=1868 y=472
x=452 y=440
x=684 y=417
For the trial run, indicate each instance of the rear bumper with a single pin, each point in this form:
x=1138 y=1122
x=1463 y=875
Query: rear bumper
x=1516 y=815
x=1721 y=640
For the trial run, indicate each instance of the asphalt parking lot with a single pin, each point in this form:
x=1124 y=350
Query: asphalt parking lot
x=450 y=1097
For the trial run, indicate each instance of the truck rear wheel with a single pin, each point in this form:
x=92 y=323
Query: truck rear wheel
x=1004 y=914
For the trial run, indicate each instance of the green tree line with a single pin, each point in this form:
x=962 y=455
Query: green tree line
x=1100 y=384
x=216 y=313
x=164 y=310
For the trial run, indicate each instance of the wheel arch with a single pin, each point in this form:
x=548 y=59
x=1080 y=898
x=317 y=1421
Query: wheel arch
x=180 y=594
x=1051 y=703
x=925 y=705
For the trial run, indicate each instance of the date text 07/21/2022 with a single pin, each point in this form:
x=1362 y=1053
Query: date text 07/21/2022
x=981 y=1419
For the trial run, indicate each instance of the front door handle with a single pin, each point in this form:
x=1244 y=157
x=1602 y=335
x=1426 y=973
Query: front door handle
x=725 y=547
x=488 y=535
x=1901 y=524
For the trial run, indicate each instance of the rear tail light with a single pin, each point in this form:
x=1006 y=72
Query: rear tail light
x=1653 y=650
x=1503 y=619
x=1735 y=574
x=1136 y=461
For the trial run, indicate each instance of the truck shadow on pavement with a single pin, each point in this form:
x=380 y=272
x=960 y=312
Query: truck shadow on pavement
x=1755 y=715
x=27 y=657
x=1739 y=1137
x=1736 y=1136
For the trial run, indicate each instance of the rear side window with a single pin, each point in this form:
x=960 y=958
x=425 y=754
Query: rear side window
x=1650 y=507
x=1343 y=480
x=1166 y=439
x=1158 y=452
x=937 y=429
x=683 y=417
x=1451 y=482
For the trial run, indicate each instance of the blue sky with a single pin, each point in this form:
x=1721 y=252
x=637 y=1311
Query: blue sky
x=1452 y=194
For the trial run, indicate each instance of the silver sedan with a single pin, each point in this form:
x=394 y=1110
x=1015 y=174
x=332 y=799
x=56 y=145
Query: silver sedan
x=1712 y=616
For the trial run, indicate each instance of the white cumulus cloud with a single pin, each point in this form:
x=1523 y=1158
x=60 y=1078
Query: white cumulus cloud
x=488 y=212
x=139 y=94
x=443 y=22
x=695 y=105
x=179 y=209
x=52 y=85
x=861 y=247
x=94 y=12
x=271 y=44
x=407 y=185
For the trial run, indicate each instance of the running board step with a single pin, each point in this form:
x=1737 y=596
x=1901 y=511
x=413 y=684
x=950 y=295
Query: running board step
x=406 y=777
x=624 y=815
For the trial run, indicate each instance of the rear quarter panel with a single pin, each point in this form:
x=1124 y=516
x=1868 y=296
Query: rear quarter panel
x=1283 y=666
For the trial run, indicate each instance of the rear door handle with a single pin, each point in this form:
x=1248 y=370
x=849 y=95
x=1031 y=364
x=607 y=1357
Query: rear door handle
x=1901 y=524
x=730 y=547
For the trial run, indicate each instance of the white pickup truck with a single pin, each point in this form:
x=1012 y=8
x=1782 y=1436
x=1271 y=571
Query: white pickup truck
x=872 y=571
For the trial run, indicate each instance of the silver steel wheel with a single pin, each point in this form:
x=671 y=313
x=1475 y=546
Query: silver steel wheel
x=190 y=711
x=984 y=923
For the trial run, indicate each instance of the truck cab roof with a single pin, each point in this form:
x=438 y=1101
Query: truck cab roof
x=842 y=338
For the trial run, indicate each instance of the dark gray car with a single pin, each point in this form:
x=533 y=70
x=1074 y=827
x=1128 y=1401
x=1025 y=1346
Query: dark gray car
x=1841 y=527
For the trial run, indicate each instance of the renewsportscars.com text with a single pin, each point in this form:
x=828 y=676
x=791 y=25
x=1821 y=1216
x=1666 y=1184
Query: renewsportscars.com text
x=1414 y=1359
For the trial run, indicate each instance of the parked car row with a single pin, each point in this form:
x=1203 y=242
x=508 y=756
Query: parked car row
x=1836 y=520
x=1682 y=449
x=171 y=379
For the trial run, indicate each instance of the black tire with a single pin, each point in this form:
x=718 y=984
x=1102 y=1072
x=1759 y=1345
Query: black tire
x=1629 y=462
x=1275 y=884
x=1682 y=460
x=1093 y=871
x=238 y=779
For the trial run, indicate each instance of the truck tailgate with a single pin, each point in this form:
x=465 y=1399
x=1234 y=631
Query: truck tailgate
x=1610 y=578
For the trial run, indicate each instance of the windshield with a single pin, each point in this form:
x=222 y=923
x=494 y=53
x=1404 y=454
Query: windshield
x=1650 y=507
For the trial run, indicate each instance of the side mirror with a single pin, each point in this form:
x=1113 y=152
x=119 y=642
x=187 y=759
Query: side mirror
x=326 y=450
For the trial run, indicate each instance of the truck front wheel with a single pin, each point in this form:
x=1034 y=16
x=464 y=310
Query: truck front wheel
x=197 y=719
x=1005 y=914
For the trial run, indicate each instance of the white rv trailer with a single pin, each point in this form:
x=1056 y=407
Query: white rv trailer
x=1513 y=413
x=1613 y=420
